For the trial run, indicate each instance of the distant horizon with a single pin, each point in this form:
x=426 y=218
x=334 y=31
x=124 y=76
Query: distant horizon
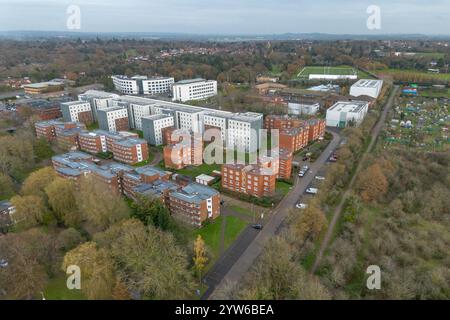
x=235 y=17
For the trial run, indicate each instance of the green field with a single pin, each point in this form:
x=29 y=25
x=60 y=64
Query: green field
x=341 y=70
x=195 y=171
x=57 y=290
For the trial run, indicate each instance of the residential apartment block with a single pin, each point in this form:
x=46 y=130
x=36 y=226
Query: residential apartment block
x=142 y=84
x=285 y=166
x=130 y=151
x=153 y=128
x=180 y=155
x=194 y=89
x=99 y=100
x=257 y=180
x=65 y=133
x=77 y=111
x=113 y=119
x=192 y=203
x=294 y=139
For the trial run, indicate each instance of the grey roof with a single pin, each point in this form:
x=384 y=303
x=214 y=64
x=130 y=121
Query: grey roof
x=188 y=81
x=156 y=188
x=5 y=204
x=194 y=193
x=150 y=171
x=131 y=142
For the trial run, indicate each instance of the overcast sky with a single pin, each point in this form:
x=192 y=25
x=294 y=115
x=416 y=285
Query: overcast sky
x=229 y=16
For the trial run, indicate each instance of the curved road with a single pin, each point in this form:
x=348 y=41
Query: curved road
x=240 y=257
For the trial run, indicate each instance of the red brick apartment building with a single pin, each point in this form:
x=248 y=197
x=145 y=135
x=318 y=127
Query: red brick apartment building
x=316 y=129
x=179 y=155
x=256 y=180
x=285 y=170
x=144 y=175
x=281 y=122
x=294 y=139
x=194 y=204
x=92 y=142
x=130 y=151
x=65 y=133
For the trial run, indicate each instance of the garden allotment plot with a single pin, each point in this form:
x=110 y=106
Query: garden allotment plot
x=328 y=73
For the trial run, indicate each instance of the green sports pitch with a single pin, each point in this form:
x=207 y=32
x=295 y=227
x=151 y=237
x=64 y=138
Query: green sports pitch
x=338 y=71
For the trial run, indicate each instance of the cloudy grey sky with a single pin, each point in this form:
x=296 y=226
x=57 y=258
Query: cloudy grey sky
x=229 y=16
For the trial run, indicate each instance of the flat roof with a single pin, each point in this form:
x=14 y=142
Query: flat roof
x=348 y=106
x=368 y=83
x=188 y=81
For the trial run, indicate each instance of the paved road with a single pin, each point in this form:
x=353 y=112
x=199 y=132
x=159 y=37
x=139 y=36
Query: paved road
x=337 y=213
x=241 y=256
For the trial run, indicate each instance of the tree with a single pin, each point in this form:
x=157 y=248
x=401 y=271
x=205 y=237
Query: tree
x=29 y=256
x=147 y=260
x=100 y=207
x=120 y=291
x=154 y=212
x=61 y=195
x=310 y=223
x=68 y=239
x=200 y=257
x=36 y=183
x=30 y=211
x=96 y=267
x=6 y=186
x=42 y=149
x=372 y=183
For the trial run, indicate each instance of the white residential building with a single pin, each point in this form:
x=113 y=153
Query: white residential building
x=71 y=111
x=342 y=113
x=152 y=127
x=137 y=108
x=113 y=119
x=142 y=84
x=371 y=88
x=194 y=89
x=99 y=100
x=243 y=131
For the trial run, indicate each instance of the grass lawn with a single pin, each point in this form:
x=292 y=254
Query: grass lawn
x=151 y=156
x=283 y=187
x=139 y=132
x=233 y=228
x=57 y=290
x=195 y=171
x=242 y=211
x=211 y=235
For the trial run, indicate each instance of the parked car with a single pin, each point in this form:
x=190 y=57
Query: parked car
x=301 y=174
x=3 y=263
x=301 y=206
x=320 y=178
x=312 y=190
x=257 y=226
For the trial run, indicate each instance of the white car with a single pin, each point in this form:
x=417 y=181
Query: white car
x=3 y=263
x=320 y=178
x=312 y=190
x=301 y=206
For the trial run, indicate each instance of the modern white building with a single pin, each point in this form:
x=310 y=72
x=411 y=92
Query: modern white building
x=113 y=119
x=194 y=89
x=137 y=108
x=142 y=84
x=344 y=113
x=152 y=127
x=367 y=87
x=299 y=108
x=99 y=100
x=76 y=111
x=244 y=131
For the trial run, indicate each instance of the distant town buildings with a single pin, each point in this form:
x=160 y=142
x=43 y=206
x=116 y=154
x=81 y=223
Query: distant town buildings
x=344 y=113
x=194 y=89
x=142 y=84
x=44 y=87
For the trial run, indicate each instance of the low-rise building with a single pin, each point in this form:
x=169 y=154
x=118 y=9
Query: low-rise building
x=367 y=87
x=204 y=179
x=194 y=204
x=44 y=87
x=93 y=142
x=345 y=113
x=180 y=155
x=130 y=150
x=258 y=180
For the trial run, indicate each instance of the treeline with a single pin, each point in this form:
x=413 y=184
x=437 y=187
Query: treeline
x=123 y=253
